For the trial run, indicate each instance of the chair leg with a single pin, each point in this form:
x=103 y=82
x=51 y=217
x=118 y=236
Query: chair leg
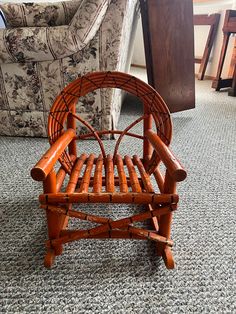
x=207 y=52
x=233 y=61
x=165 y=226
x=55 y=222
x=154 y=222
x=163 y=250
x=217 y=81
x=49 y=258
x=168 y=258
x=232 y=91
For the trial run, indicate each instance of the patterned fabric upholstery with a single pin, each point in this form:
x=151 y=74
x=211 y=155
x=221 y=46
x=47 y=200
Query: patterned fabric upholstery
x=39 y=14
x=48 y=45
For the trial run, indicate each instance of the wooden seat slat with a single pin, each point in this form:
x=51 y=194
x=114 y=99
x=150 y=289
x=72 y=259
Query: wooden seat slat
x=121 y=172
x=75 y=173
x=132 y=175
x=97 y=180
x=110 y=184
x=87 y=174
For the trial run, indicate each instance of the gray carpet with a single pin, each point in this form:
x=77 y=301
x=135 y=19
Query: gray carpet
x=126 y=276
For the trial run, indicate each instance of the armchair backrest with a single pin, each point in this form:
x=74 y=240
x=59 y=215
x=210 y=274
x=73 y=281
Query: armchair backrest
x=88 y=19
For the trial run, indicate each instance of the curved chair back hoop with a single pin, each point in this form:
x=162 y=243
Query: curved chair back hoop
x=154 y=107
x=95 y=134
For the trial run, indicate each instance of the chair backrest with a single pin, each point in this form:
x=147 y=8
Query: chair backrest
x=63 y=110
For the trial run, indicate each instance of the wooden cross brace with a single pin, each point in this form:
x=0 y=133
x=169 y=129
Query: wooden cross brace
x=108 y=225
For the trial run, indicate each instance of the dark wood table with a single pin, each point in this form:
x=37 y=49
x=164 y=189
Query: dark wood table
x=169 y=50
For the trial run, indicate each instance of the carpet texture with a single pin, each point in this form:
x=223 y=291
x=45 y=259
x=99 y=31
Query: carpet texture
x=125 y=276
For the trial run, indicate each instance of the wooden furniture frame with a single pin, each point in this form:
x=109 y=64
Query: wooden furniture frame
x=229 y=28
x=213 y=21
x=93 y=179
x=169 y=50
x=233 y=61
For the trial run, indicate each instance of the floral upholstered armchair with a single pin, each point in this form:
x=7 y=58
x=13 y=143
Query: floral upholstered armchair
x=47 y=45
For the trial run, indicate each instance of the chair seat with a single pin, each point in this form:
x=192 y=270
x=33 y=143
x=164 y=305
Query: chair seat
x=105 y=180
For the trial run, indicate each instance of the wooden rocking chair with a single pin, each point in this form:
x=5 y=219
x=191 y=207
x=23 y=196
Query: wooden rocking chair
x=134 y=188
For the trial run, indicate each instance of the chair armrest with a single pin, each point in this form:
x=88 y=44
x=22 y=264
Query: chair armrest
x=47 y=162
x=173 y=166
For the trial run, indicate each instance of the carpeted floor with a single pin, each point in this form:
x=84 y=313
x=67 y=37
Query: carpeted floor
x=126 y=276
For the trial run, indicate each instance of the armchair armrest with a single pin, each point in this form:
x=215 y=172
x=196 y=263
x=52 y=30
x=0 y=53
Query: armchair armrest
x=39 y=14
x=173 y=166
x=27 y=44
x=51 y=43
x=47 y=162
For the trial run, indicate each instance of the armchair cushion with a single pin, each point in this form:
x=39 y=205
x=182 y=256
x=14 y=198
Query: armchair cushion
x=51 y=43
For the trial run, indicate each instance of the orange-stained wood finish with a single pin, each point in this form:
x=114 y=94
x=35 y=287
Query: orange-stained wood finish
x=110 y=183
x=54 y=220
x=87 y=174
x=122 y=198
x=108 y=178
x=71 y=124
x=166 y=220
x=97 y=180
x=122 y=176
x=133 y=175
x=172 y=164
x=46 y=163
x=75 y=173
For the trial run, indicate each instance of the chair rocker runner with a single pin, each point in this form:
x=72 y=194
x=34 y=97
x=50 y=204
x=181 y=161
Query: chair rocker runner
x=88 y=184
